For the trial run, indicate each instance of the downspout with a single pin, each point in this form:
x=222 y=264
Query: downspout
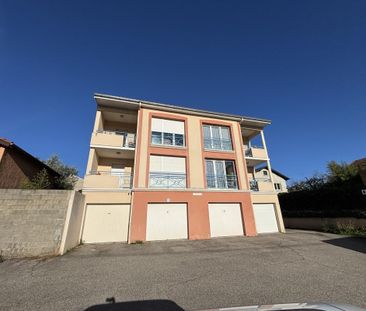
x=133 y=179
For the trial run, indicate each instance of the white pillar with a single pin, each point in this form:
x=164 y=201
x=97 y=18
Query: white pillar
x=268 y=162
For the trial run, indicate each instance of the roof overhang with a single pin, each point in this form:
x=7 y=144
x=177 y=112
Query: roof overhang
x=110 y=101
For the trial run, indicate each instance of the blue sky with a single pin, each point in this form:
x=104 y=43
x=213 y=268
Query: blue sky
x=301 y=64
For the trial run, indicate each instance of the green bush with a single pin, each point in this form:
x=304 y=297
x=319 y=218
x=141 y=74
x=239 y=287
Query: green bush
x=346 y=229
x=40 y=181
x=336 y=199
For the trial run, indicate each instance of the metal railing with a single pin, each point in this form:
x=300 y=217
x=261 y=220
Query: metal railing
x=254 y=183
x=222 y=182
x=217 y=143
x=129 y=139
x=167 y=180
x=124 y=179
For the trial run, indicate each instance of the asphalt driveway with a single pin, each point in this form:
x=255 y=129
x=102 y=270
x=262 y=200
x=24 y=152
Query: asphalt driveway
x=280 y=268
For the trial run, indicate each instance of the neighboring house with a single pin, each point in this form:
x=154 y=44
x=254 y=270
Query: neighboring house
x=159 y=172
x=279 y=180
x=18 y=166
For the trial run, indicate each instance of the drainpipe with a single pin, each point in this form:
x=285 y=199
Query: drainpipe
x=134 y=169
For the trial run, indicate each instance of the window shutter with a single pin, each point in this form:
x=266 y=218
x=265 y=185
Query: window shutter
x=175 y=127
x=156 y=164
x=157 y=125
x=167 y=126
x=174 y=165
x=167 y=164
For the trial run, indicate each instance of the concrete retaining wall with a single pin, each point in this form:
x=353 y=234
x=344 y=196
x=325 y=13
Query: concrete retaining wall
x=314 y=223
x=39 y=222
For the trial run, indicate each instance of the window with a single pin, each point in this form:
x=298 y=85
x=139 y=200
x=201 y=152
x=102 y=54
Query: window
x=265 y=173
x=167 y=172
x=221 y=174
x=167 y=132
x=217 y=137
x=277 y=186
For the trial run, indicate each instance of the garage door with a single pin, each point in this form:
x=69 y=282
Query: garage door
x=225 y=219
x=106 y=223
x=166 y=221
x=265 y=218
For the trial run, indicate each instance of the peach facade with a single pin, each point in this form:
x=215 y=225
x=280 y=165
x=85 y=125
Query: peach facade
x=197 y=202
x=108 y=154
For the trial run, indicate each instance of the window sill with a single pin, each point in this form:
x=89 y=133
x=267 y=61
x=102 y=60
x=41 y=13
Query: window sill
x=219 y=151
x=168 y=147
x=227 y=189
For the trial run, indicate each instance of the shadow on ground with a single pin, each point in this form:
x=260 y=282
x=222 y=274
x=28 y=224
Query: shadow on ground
x=357 y=244
x=139 y=305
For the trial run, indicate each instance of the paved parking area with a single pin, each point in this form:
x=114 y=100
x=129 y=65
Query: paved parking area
x=280 y=268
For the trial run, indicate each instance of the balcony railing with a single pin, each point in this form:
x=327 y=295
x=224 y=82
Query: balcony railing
x=222 y=182
x=167 y=180
x=128 y=139
x=257 y=184
x=118 y=179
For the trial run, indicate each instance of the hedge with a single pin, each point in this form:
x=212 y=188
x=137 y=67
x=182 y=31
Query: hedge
x=341 y=201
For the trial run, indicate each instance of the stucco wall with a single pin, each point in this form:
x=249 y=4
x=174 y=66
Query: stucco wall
x=74 y=218
x=194 y=146
x=32 y=222
x=105 y=197
x=113 y=126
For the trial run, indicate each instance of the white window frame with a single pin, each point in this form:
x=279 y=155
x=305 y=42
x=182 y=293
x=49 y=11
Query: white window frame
x=173 y=135
x=277 y=184
x=215 y=174
x=221 y=137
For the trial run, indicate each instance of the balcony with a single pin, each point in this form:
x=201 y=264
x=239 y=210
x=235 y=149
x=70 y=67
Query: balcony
x=255 y=155
x=256 y=152
x=261 y=184
x=168 y=180
x=108 y=180
x=114 y=139
x=222 y=182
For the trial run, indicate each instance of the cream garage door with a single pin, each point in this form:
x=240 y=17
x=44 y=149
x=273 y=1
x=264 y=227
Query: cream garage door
x=106 y=223
x=225 y=219
x=166 y=221
x=265 y=218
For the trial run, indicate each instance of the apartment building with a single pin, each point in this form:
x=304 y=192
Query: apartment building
x=158 y=172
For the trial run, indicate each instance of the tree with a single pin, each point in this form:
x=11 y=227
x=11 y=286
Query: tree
x=337 y=175
x=340 y=172
x=68 y=174
x=39 y=181
x=313 y=183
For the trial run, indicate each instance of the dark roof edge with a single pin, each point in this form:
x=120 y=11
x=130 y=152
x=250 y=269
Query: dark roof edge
x=192 y=110
x=276 y=172
x=13 y=145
